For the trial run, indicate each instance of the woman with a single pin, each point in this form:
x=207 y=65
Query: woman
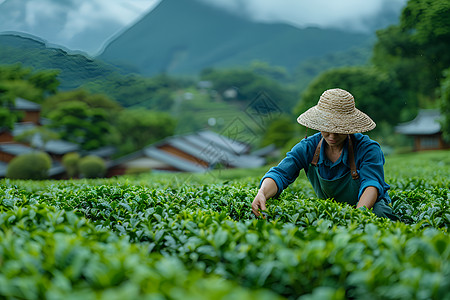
x=340 y=162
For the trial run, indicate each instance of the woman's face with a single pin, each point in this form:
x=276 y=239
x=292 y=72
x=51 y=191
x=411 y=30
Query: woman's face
x=334 y=139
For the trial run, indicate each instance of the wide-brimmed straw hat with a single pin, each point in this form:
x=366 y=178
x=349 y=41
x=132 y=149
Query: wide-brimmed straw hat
x=336 y=113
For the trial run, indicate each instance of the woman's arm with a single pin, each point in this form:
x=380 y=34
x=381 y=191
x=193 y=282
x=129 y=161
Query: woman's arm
x=267 y=190
x=368 y=197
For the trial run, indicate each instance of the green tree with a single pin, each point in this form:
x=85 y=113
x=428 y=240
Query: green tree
x=92 y=101
x=415 y=52
x=280 y=131
x=78 y=123
x=16 y=81
x=445 y=105
x=7 y=116
x=28 y=84
x=34 y=165
x=44 y=133
x=154 y=93
x=374 y=92
x=140 y=127
x=249 y=85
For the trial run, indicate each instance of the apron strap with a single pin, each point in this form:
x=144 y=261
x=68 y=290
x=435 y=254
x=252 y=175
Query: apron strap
x=351 y=157
x=315 y=159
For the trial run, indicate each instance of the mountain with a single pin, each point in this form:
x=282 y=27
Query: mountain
x=30 y=51
x=186 y=36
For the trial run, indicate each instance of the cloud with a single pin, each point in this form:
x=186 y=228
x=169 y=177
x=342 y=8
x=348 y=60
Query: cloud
x=87 y=24
x=343 y=14
x=69 y=22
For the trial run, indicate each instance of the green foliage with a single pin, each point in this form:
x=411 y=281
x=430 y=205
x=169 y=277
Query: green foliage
x=91 y=166
x=154 y=93
x=194 y=236
x=248 y=85
x=34 y=165
x=70 y=162
x=92 y=100
x=415 y=51
x=280 y=131
x=76 y=122
x=141 y=127
x=27 y=83
x=374 y=92
x=17 y=81
x=307 y=70
x=445 y=106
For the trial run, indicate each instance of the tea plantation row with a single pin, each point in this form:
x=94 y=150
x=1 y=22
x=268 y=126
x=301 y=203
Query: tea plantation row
x=175 y=236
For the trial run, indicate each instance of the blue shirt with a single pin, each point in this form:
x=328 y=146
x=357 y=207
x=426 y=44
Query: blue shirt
x=369 y=160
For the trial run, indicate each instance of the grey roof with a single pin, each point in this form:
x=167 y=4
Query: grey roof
x=197 y=150
x=224 y=142
x=267 y=150
x=22 y=127
x=15 y=149
x=56 y=169
x=58 y=147
x=22 y=104
x=425 y=123
x=104 y=152
x=213 y=148
x=3 y=168
x=175 y=161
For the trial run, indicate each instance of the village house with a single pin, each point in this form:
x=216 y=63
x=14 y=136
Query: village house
x=425 y=129
x=196 y=152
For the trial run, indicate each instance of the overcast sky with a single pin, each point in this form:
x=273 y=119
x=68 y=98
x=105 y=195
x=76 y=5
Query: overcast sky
x=86 y=24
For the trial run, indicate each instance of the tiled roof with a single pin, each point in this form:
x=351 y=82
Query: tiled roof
x=22 y=104
x=425 y=123
x=15 y=149
x=172 y=160
x=3 y=169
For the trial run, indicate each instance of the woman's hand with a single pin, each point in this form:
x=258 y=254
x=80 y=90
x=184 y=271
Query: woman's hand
x=267 y=190
x=259 y=203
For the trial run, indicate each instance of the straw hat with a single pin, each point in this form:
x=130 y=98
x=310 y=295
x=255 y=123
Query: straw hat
x=336 y=112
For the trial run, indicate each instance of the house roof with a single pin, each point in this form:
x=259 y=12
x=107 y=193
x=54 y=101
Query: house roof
x=22 y=104
x=175 y=161
x=3 y=168
x=104 y=152
x=212 y=148
x=425 y=123
x=58 y=147
x=15 y=149
x=224 y=142
x=206 y=146
x=22 y=127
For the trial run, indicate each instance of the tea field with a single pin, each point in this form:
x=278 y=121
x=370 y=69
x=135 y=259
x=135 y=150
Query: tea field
x=184 y=236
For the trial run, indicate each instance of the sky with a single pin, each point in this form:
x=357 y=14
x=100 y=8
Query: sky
x=86 y=25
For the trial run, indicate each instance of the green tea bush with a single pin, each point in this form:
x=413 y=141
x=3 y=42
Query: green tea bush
x=190 y=236
x=92 y=166
x=34 y=165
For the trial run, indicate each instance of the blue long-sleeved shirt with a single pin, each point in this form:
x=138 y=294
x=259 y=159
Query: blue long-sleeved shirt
x=369 y=160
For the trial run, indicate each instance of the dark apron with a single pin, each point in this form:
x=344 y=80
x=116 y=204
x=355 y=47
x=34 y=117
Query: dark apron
x=344 y=189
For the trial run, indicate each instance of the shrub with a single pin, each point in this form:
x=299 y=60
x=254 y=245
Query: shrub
x=92 y=166
x=70 y=162
x=34 y=165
